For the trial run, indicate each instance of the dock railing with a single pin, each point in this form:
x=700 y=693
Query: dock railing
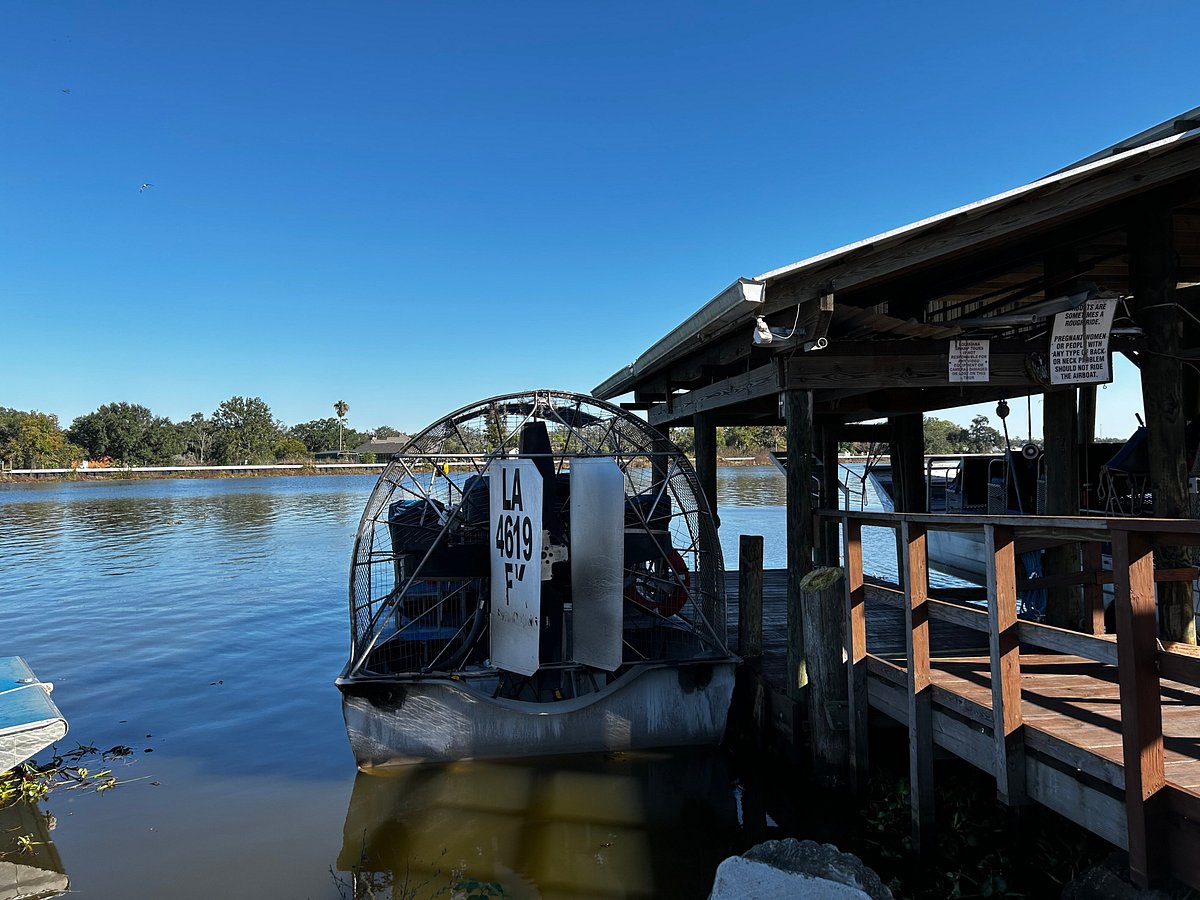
x=1160 y=820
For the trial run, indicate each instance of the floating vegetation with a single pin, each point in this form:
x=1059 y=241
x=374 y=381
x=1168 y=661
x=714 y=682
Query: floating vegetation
x=31 y=782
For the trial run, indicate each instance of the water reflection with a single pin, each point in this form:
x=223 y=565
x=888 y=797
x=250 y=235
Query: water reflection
x=629 y=825
x=30 y=866
x=751 y=486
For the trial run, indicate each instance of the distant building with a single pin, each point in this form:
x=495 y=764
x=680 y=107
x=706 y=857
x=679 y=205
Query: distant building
x=336 y=456
x=384 y=447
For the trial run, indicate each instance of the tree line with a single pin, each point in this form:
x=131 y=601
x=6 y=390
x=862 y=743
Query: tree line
x=241 y=430
x=941 y=436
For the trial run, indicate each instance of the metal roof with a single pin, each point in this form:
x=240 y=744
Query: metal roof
x=735 y=306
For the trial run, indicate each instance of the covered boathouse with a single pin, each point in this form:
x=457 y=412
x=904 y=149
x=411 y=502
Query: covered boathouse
x=974 y=305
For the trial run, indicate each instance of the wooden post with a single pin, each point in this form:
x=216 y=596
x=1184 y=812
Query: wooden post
x=797 y=412
x=1093 y=589
x=1087 y=414
x=1086 y=436
x=1189 y=298
x=1141 y=704
x=830 y=494
x=750 y=595
x=908 y=462
x=660 y=462
x=1063 y=602
x=824 y=649
x=1152 y=277
x=908 y=473
x=920 y=695
x=1060 y=429
x=705 y=431
x=856 y=653
x=1005 y=653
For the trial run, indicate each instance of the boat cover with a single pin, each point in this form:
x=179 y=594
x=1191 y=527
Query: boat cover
x=29 y=719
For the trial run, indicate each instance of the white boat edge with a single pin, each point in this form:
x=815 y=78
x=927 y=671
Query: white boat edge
x=20 y=744
x=444 y=720
x=32 y=721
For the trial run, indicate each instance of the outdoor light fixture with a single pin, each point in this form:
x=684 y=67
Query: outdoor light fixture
x=762 y=332
x=777 y=338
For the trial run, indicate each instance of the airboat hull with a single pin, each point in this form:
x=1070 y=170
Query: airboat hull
x=444 y=720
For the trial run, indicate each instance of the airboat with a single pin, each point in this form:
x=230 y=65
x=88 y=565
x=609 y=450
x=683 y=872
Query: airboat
x=537 y=573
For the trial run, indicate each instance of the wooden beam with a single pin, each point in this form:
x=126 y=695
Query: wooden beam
x=705 y=431
x=1063 y=601
x=920 y=693
x=908 y=462
x=856 y=655
x=760 y=382
x=1152 y=282
x=831 y=497
x=824 y=318
x=877 y=404
x=1093 y=590
x=874 y=434
x=871 y=365
x=907 y=453
x=1087 y=415
x=750 y=595
x=797 y=412
x=824 y=649
x=906 y=349
x=1005 y=654
x=650 y=397
x=731 y=350
x=1060 y=426
x=1141 y=703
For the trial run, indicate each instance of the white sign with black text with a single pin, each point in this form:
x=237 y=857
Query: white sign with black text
x=515 y=491
x=1079 y=344
x=969 y=360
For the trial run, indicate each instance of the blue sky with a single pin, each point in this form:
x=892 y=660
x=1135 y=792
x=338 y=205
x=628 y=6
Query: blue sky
x=413 y=206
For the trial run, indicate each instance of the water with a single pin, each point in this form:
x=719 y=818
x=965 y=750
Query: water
x=202 y=622
x=751 y=501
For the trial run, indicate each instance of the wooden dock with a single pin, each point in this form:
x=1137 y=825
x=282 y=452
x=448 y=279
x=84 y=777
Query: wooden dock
x=1103 y=729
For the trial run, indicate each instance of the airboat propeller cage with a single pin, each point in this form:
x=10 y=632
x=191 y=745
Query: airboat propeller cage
x=542 y=530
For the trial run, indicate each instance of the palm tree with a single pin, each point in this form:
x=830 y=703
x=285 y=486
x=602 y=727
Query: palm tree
x=341 y=408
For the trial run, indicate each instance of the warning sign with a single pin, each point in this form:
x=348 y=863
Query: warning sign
x=969 y=360
x=1079 y=344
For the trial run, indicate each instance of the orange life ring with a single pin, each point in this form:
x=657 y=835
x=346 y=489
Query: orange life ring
x=674 y=601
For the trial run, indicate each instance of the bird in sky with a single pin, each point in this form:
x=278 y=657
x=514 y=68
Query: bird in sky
x=145 y=185
x=66 y=90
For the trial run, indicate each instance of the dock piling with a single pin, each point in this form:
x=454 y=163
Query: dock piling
x=750 y=595
x=824 y=652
